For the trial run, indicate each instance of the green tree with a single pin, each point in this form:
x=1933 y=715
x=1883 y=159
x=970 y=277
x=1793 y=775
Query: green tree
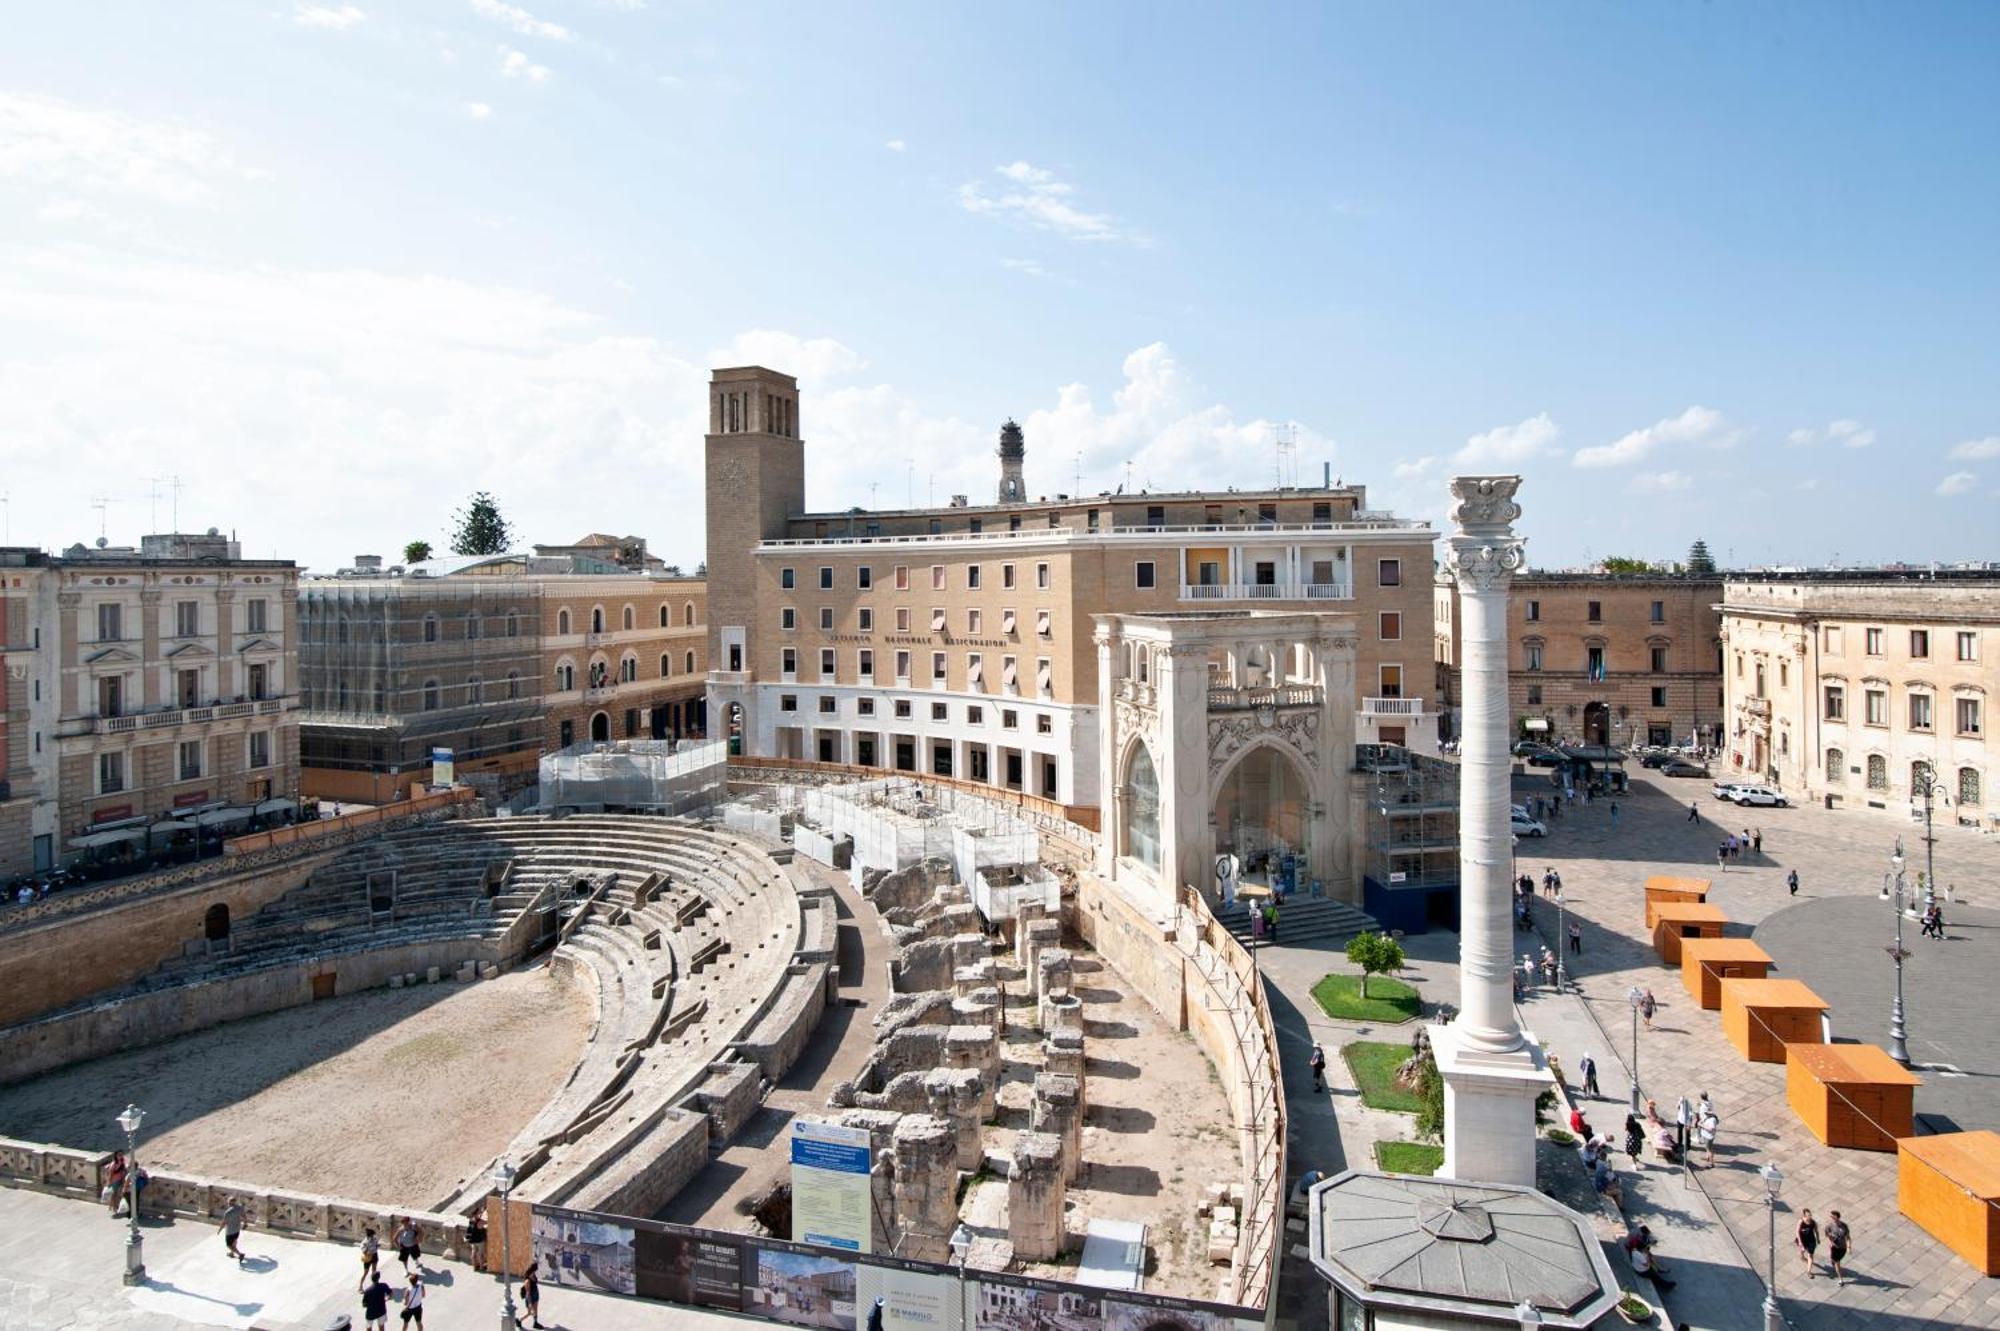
x=481 y=530
x=1627 y=564
x=1375 y=954
x=1699 y=560
x=416 y=552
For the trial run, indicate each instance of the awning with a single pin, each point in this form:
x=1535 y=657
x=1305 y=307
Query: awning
x=174 y=825
x=90 y=840
x=218 y=817
x=274 y=806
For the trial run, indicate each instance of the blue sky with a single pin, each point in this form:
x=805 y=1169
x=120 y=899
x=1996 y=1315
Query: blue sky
x=1717 y=271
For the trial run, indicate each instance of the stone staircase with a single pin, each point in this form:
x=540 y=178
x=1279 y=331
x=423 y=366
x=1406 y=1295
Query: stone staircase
x=1305 y=922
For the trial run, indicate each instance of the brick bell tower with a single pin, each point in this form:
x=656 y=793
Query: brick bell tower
x=1013 y=452
x=754 y=471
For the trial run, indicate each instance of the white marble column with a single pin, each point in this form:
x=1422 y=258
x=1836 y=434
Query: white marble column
x=1492 y=1069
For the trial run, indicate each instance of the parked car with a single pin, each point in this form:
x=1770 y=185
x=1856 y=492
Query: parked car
x=1749 y=793
x=1524 y=748
x=1526 y=826
x=1657 y=758
x=1681 y=767
x=1545 y=758
x=1723 y=790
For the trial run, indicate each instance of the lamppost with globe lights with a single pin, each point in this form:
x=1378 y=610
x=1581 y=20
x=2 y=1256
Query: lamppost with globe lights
x=1562 y=944
x=503 y=1176
x=1774 y=1320
x=1635 y=996
x=1931 y=787
x=1894 y=883
x=135 y=1254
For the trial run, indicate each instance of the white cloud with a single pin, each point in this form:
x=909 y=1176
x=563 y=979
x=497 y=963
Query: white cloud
x=337 y=17
x=1035 y=197
x=46 y=142
x=1801 y=437
x=1851 y=434
x=1696 y=426
x=1978 y=450
x=1509 y=445
x=516 y=65
x=1958 y=483
x=1416 y=469
x=519 y=20
x=479 y=110
x=1809 y=483
x=896 y=146
x=1028 y=266
x=1659 y=482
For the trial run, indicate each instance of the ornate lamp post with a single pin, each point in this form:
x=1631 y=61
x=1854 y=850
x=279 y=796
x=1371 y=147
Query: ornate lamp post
x=1774 y=1320
x=135 y=1254
x=1895 y=883
x=1562 y=943
x=1635 y=996
x=503 y=1177
x=1931 y=787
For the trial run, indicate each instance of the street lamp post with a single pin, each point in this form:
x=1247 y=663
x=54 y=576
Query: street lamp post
x=1894 y=882
x=1931 y=787
x=1635 y=996
x=503 y=1175
x=1774 y=1320
x=135 y=1253
x=961 y=1249
x=1561 y=942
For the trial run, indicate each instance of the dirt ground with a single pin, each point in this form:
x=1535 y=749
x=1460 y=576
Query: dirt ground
x=390 y=1096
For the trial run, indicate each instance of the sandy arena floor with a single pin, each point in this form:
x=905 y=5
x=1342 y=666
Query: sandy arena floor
x=391 y=1096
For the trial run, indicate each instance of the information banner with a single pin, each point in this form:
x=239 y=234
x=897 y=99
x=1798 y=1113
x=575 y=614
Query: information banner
x=442 y=767
x=704 y=1271
x=831 y=1203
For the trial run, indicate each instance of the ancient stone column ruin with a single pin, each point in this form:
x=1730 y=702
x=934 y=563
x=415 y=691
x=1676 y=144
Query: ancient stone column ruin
x=1036 y=1191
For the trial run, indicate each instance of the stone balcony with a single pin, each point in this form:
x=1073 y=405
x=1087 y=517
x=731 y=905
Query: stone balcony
x=1249 y=699
x=1267 y=591
x=1392 y=706
x=174 y=716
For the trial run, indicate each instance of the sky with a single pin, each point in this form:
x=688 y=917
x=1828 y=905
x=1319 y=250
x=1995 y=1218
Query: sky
x=315 y=271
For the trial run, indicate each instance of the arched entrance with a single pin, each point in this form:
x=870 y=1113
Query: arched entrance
x=1261 y=814
x=1596 y=723
x=215 y=927
x=1139 y=837
x=600 y=727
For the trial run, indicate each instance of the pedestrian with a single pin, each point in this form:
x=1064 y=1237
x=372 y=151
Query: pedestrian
x=1548 y=968
x=375 y=1294
x=1706 y=1122
x=1743 y=844
x=1683 y=1125
x=1588 y=1067
x=231 y=1229
x=1271 y=918
x=1318 y=1065
x=531 y=1296
x=1648 y=1005
x=1559 y=882
x=371 y=1249
x=1614 y=815
x=1639 y=1247
x=413 y=1302
x=1549 y=880
x=410 y=1244
x=1694 y=812
x=1256 y=921
x=1722 y=856
x=1757 y=841
x=1792 y=882
x=1837 y=1240
x=1635 y=1137
x=1806 y=1239
x=475 y=1238
x=875 y=1315
x=1575 y=938
x=114 y=1184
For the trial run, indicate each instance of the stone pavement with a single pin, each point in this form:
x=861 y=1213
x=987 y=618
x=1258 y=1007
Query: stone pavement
x=61 y=1264
x=1904 y=1278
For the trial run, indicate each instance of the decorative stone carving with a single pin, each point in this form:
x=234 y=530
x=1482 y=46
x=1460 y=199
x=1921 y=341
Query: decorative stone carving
x=1297 y=729
x=1484 y=501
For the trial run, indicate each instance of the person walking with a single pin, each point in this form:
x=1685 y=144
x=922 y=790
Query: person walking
x=1271 y=918
x=375 y=1294
x=1575 y=938
x=1549 y=881
x=114 y=1184
x=1838 y=1237
x=371 y=1250
x=1757 y=840
x=1614 y=815
x=1318 y=1065
x=1722 y=857
x=1706 y=1121
x=1743 y=844
x=410 y=1244
x=1694 y=811
x=1648 y=1005
x=531 y=1296
x=413 y=1302
x=1792 y=882
x=475 y=1238
x=231 y=1229
x=1588 y=1067
x=1559 y=882
x=1806 y=1239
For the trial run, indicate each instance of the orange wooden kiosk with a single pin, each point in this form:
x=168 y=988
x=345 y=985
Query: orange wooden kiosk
x=1676 y=920
x=1949 y=1185
x=1761 y=1017
x=1661 y=889
x=1850 y=1095
x=1707 y=962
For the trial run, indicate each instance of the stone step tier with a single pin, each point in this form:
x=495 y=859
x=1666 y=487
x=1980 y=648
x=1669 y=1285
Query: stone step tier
x=1305 y=921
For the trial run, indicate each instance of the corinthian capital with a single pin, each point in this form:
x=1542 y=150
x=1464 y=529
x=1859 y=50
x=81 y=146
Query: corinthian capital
x=1484 y=552
x=1483 y=566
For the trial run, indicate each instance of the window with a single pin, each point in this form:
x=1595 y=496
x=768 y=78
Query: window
x=1534 y=695
x=788 y=618
x=1659 y=612
x=1872 y=641
x=1784 y=674
x=1044 y=724
x=1322 y=512
x=937 y=526
x=972 y=576
x=1009 y=719
x=626 y=620
x=260 y=682
x=110 y=623
x=826 y=666
x=514 y=682
x=788 y=702
x=1659 y=695
x=1389 y=626
x=1007 y=621
x=864 y=665
x=562 y=622
x=1389 y=572
x=1832 y=640
x=1534 y=612
x=1967 y=710
x=597 y=619
x=628 y=670
x=902 y=667
x=666 y=666
x=1156 y=515
x=1044 y=626
x=472 y=626
x=864 y=707
x=1920 y=711
x=1267 y=514
x=1045 y=677
x=1836 y=767
x=690 y=662
x=1010 y=674
x=902 y=709
x=826 y=577
x=975 y=716
x=828 y=705
x=1875 y=703
x=666 y=618
x=1534 y=655
x=1968 y=785
x=190 y=688
x=937 y=667
x=1878 y=772
x=1968 y=650
x=864 y=577
x=190 y=759
x=1658 y=659
x=902 y=577
x=1014 y=522
x=826 y=618
x=788 y=578
x=938 y=624
x=788 y=660
x=1042 y=576
x=1007 y=576
x=187 y=618
x=902 y=619
x=260 y=748
x=1836 y=703
x=1092 y=520
x=430 y=628
x=1920 y=644
x=937 y=577
x=254 y=613
x=975 y=671
x=565 y=678
x=973 y=620
x=940 y=711
x=1594 y=663
x=866 y=619
x=1142 y=573
x=1595 y=612
x=110 y=773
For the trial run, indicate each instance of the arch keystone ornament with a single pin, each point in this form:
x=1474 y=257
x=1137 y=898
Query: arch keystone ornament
x=1492 y=1069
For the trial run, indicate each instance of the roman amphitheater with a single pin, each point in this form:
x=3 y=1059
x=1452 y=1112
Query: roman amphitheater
x=634 y=996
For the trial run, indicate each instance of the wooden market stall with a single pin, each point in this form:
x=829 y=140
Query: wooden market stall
x=1674 y=921
x=1707 y=962
x=1850 y=1095
x=1949 y=1185
x=1761 y=1017
x=1661 y=889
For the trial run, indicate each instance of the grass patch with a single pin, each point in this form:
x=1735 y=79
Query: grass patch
x=1374 y=1065
x=1339 y=996
x=1409 y=1157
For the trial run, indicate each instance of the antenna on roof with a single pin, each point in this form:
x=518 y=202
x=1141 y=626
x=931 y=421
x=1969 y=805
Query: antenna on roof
x=102 y=504
x=1285 y=442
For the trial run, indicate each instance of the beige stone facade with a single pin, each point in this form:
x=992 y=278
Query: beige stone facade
x=1604 y=658
x=623 y=658
x=1854 y=687
x=18 y=582
x=161 y=684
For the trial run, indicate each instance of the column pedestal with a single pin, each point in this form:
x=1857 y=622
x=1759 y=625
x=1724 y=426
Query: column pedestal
x=1489 y=1108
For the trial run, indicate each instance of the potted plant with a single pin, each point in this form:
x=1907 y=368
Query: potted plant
x=1634 y=1309
x=1562 y=1137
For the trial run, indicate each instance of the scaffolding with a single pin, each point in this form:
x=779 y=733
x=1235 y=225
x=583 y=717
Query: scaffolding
x=1412 y=819
x=654 y=775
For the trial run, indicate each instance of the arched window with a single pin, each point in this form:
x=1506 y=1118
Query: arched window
x=430 y=695
x=562 y=621
x=666 y=664
x=1836 y=767
x=430 y=628
x=1142 y=810
x=1784 y=742
x=474 y=691
x=666 y=617
x=1968 y=785
x=472 y=627
x=597 y=619
x=513 y=684
x=630 y=621
x=1878 y=772
x=690 y=663
x=1920 y=776
x=513 y=625
x=628 y=668
x=565 y=677
x=687 y=614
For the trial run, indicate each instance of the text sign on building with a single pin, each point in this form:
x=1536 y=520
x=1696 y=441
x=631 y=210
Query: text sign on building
x=831 y=1204
x=441 y=767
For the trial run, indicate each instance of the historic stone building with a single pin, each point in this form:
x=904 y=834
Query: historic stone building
x=1859 y=687
x=159 y=687
x=995 y=642
x=624 y=658
x=1603 y=658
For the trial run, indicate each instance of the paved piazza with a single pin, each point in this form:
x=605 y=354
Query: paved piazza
x=1832 y=936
